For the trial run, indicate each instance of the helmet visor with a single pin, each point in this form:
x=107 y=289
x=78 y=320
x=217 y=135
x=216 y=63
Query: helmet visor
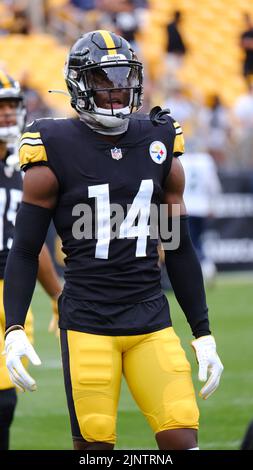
x=117 y=77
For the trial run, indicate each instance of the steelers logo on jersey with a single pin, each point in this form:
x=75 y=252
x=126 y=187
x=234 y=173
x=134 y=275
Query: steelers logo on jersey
x=157 y=152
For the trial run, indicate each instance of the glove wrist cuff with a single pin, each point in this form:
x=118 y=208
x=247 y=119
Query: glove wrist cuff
x=12 y=328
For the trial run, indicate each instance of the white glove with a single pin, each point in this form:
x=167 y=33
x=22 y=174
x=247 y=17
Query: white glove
x=209 y=362
x=17 y=345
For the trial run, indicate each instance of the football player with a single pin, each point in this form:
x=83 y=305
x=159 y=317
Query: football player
x=114 y=318
x=12 y=120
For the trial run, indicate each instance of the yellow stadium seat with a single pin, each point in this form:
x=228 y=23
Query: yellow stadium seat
x=211 y=29
x=43 y=58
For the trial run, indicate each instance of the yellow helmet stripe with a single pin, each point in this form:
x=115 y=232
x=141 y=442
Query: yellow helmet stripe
x=5 y=80
x=108 y=41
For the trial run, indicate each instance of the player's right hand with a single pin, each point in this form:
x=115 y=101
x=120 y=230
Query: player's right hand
x=17 y=346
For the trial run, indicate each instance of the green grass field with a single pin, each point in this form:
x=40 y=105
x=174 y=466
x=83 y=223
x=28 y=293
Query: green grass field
x=42 y=422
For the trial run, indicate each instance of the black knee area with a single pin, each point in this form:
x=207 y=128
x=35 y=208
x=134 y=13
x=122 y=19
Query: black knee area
x=8 y=401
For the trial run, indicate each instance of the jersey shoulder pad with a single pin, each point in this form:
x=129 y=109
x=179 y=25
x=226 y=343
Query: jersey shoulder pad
x=178 y=147
x=31 y=147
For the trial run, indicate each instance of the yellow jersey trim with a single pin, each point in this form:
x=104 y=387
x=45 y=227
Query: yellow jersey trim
x=179 y=144
x=32 y=135
x=176 y=124
x=32 y=154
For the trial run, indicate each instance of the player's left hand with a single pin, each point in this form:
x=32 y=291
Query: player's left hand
x=209 y=364
x=53 y=325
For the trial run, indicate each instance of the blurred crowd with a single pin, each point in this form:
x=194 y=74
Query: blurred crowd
x=226 y=133
x=209 y=125
x=70 y=18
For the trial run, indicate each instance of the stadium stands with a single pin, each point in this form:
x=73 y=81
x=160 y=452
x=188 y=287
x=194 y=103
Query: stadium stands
x=43 y=58
x=210 y=29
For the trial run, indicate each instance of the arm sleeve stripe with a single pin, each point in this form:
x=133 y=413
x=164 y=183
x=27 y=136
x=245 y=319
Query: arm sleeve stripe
x=176 y=124
x=30 y=142
x=32 y=135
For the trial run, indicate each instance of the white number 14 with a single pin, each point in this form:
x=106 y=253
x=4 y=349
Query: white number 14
x=140 y=208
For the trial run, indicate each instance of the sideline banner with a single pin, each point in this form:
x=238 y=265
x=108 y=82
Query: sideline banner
x=228 y=240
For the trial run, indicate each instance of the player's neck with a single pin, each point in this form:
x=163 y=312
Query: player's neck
x=3 y=150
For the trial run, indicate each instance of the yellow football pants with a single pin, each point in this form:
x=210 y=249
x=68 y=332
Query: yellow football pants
x=5 y=381
x=156 y=370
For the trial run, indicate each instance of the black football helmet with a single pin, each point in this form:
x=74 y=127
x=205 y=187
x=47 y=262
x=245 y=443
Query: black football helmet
x=10 y=90
x=103 y=57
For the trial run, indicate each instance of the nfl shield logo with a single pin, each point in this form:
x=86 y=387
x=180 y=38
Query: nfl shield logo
x=116 y=153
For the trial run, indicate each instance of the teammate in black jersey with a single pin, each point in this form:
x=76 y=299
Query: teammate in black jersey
x=114 y=318
x=12 y=117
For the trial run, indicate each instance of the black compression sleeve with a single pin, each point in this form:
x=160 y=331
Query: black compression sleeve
x=186 y=278
x=31 y=227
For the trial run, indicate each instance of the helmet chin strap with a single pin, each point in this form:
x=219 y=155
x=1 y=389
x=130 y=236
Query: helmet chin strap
x=105 y=117
x=104 y=122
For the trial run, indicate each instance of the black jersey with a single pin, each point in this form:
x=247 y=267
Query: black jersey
x=96 y=176
x=10 y=197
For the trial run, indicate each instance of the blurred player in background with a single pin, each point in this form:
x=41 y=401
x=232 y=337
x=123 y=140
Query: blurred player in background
x=176 y=48
x=12 y=121
x=114 y=318
x=202 y=186
x=247 y=46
